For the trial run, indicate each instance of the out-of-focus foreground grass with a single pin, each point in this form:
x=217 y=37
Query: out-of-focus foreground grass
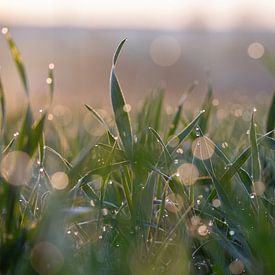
x=148 y=193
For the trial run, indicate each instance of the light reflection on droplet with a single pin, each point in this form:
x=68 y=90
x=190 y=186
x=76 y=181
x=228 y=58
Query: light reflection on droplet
x=236 y=267
x=255 y=50
x=49 y=81
x=188 y=173
x=224 y=144
x=203 y=148
x=127 y=108
x=51 y=66
x=104 y=211
x=59 y=180
x=46 y=258
x=4 y=30
x=165 y=50
x=16 y=167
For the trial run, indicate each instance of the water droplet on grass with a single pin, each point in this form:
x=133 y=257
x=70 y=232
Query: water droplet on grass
x=49 y=81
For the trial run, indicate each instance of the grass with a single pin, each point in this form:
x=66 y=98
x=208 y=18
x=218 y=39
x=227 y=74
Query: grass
x=155 y=193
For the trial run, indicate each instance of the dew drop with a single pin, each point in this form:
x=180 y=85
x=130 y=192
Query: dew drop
x=224 y=144
x=49 y=81
x=51 y=66
x=4 y=30
x=179 y=151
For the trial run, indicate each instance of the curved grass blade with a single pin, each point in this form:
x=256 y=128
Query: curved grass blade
x=239 y=161
x=50 y=81
x=102 y=122
x=159 y=139
x=186 y=131
x=25 y=131
x=176 y=119
x=16 y=55
x=36 y=135
x=3 y=106
x=270 y=124
x=256 y=166
x=66 y=162
x=118 y=102
x=207 y=107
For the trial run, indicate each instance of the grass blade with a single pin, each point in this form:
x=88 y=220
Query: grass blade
x=176 y=119
x=186 y=131
x=159 y=139
x=16 y=55
x=270 y=124
x=3 y=106
x=102 y=122
x=256 y=166
x=207 y=107
x=118 y=102
x=50 y=81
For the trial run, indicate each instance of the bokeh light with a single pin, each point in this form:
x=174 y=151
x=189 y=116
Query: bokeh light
x=165 y=50
x=188 y=173
x=16 y=167
x=203 y=148
x=236 y=267
x=203 y=230
x=59 y=180
x=46 y=258
x=258 y=188
x=255 y=50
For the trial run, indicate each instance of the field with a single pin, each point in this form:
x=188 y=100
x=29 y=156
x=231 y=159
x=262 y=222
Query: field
x=142 y=191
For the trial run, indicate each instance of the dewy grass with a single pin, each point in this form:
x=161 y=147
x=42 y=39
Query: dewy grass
x=126 y=201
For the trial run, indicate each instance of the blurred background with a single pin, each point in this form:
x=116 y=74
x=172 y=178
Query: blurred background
x=170 y=44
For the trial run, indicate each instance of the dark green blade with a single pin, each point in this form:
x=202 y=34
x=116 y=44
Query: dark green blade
x=118 y=102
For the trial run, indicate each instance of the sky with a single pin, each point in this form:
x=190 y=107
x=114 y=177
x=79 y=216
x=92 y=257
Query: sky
x=162 y=14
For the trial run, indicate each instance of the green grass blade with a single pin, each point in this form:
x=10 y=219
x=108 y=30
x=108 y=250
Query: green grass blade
x=102 y=122
x=176 y=119
x=16 y=55
x=270 y=124
x=186 y=131
x=3 y=106
x=50 y=81
x=118 y=102
x=207 y=107
x=240 y=160
x=256 y=166
x=66 y=162
x=159 y=139
x=25 y=130
x=36 y=135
